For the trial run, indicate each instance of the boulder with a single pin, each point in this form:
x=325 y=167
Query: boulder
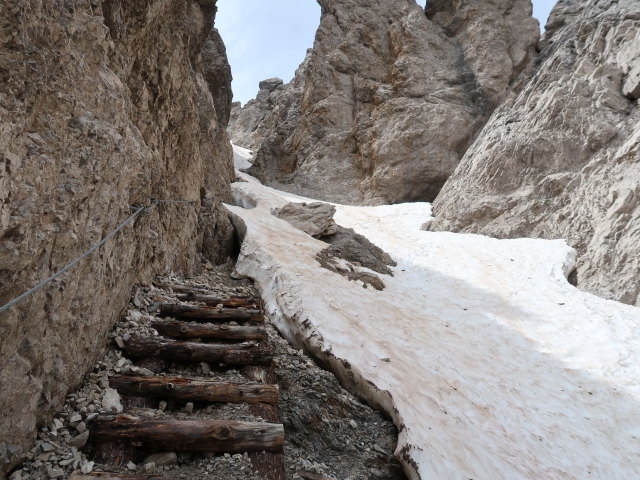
x=316 y=218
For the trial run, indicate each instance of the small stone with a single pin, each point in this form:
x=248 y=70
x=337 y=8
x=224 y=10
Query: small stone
x=91 y=417
x=46 y=447
x=162 y=405
x=17 y=475
x=64 y=463
x=81 y=427
x=79 y=441
x=57 y=424
x=119 y=342
x=206 y=369
x=131 y=466
x=148 y=467
x=111 y=401
x=43 y=457
x=136 y=301
x=188 y=408
x=55 y=472
x=87 y=467
x=353 y=424
x=162 y=459
x=74 y=418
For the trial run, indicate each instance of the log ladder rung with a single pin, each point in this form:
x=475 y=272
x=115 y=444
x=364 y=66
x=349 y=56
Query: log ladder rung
x=224 y=436
x=214 y=301
x=181 y=329
x=138 y=348
x=195 y=390
x=207 y=313
x=113 y=476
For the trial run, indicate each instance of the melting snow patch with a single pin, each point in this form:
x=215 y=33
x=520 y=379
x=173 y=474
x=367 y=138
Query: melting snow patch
x=490 y=362
x=242 y=157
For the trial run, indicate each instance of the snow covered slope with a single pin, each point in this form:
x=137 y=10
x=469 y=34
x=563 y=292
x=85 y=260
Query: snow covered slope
x=242 y=157
x=492 y=365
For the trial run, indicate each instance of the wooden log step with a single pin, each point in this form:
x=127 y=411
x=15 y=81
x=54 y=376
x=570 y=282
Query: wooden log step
x=240 y=301
x=196 y=390
x=113 y=476
x=138 y=348
x=181 y=329
x=180 y=288
x=162 y=435
x=209 y=313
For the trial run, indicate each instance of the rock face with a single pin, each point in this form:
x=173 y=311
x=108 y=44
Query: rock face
x=103 y=105
x=389 y=98
x=252 y=123
x=562 y=159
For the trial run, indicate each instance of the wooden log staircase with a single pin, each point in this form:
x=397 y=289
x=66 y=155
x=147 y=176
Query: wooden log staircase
x=225 y=333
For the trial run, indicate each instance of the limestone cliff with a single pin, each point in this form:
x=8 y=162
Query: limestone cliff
x=104 y=105
x=562 y=158
x=249 y=125
x=389 y=98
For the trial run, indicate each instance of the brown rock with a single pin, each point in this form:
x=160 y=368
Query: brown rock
x=389 y=99
x=104 y=105
x=316 y=218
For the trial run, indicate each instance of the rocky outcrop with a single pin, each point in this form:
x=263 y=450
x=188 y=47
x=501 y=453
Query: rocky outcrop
x=389 y=99
x=252 y=123
x=104 y=105
x=562 y=158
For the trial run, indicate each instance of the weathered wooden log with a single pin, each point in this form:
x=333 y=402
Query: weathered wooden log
x=196 y=390
x=173 y=350
x=113 y=476
x=239 y=301
x=209 y=313
x=181 y=329
x=227 y=436
x=180 y=288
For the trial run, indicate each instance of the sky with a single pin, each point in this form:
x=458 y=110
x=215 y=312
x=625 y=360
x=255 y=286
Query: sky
x=269 y=38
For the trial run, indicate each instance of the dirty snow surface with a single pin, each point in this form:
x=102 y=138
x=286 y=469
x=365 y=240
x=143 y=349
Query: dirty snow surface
x=242 y=157
x=490 y=363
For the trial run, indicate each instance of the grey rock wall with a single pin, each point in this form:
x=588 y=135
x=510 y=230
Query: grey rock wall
x=562 y=158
